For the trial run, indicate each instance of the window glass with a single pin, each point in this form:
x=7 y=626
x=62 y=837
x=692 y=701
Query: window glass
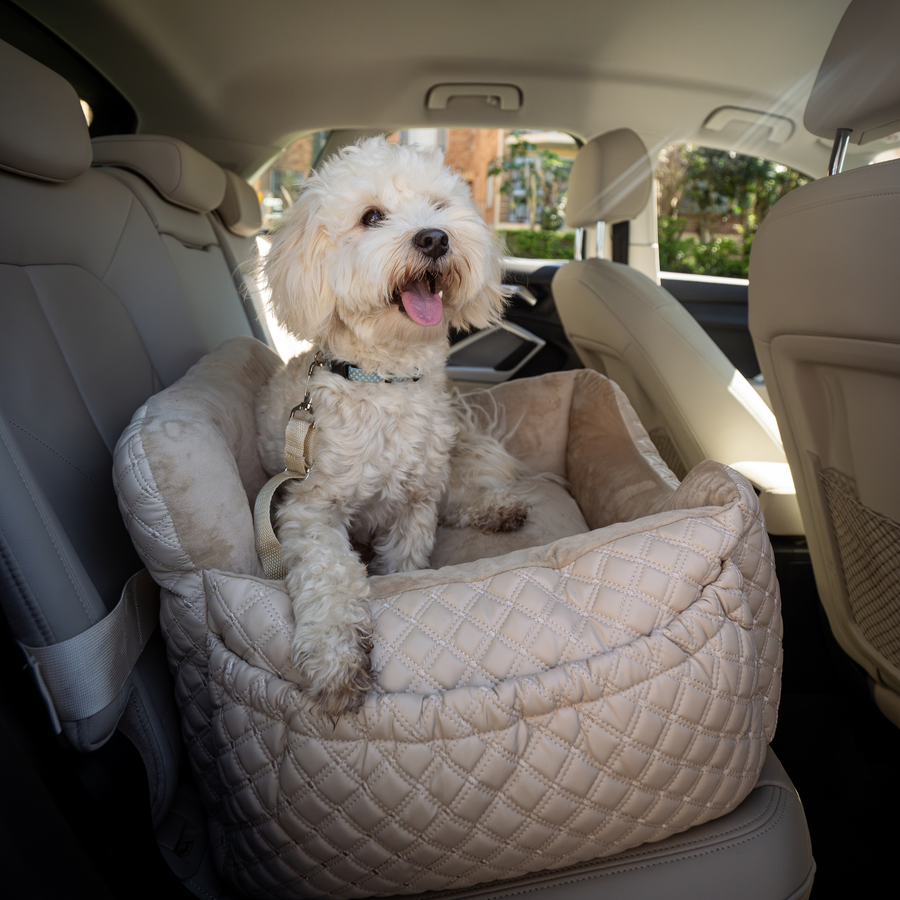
x=518 y=180
x=710 y=205
x=276 y=184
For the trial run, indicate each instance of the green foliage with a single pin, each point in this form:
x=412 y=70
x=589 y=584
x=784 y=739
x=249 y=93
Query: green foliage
x=538 y=178
x=539 y=244
x=670 y=229
x=725 y=196
x=720 y=183
x=720 y=256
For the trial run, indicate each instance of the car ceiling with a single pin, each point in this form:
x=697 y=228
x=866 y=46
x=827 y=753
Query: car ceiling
x=238 y=79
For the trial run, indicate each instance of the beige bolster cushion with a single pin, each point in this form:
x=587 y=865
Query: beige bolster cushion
x=541 y=705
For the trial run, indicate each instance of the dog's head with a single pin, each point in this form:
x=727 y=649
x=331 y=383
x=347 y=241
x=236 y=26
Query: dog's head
x=383 y=249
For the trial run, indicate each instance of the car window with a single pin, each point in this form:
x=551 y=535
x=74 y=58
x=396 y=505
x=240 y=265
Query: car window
x=710 y=205
x=518 y=181
x=276 y=184
x=531 y=169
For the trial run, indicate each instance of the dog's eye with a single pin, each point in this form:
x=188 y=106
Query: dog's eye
x=373 y=217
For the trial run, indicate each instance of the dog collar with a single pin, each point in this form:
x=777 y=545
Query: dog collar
x=352 y=373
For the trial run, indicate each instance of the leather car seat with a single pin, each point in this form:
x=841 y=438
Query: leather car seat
x=92 y=327
x=690 y=398
x=104 y=306
x=180 y=190
x=824 y=276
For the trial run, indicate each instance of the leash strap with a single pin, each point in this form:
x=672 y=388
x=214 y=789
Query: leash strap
x=299 y=441
x=268 y=546
x=299 y=452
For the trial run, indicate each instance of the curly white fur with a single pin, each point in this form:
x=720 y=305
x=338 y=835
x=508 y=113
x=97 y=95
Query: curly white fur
x=350 y=271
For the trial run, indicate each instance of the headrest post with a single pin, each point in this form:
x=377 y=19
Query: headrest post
x=601 y=237
x=579 y=244
x=839 y=151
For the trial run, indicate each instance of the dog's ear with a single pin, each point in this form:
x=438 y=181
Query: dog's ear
x=483 y=310
x=295 y=270
x=485 y=307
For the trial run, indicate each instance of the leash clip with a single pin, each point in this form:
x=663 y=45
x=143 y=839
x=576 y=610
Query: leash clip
x=305 y=404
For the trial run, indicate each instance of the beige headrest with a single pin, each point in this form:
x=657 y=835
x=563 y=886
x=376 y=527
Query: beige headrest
x=181 y=174
x=239 y=210
x=43 y=133
x=611 y=180
x=858 y=85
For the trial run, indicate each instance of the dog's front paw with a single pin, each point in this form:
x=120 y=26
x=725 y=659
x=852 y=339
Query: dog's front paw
x=502 y=518
x=334 y=666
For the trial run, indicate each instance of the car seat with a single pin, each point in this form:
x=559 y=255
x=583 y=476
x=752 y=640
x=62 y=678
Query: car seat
x=824 y=272
x=180 y=188
x=690 y=398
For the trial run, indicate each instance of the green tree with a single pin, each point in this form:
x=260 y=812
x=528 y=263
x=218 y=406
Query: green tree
x=726 y=195
x=540 y=175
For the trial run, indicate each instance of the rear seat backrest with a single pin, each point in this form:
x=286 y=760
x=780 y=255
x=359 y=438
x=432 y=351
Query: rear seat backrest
x=179 y=188
x=100 y=311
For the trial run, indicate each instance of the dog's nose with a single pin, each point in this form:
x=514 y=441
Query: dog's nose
x=432 y=242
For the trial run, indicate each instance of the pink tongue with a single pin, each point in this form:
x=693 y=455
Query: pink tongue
x=423 y=307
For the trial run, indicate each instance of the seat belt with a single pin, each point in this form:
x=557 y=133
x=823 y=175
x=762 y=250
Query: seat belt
x=84 y=674
x=44 y=588
x=240 y=282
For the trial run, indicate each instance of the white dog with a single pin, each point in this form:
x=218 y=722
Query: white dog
x=380 y=256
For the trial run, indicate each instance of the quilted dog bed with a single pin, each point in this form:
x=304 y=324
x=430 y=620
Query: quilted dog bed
x=608 y=676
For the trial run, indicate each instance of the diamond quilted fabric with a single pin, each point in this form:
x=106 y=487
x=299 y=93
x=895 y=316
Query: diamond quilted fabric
x=532 y=710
